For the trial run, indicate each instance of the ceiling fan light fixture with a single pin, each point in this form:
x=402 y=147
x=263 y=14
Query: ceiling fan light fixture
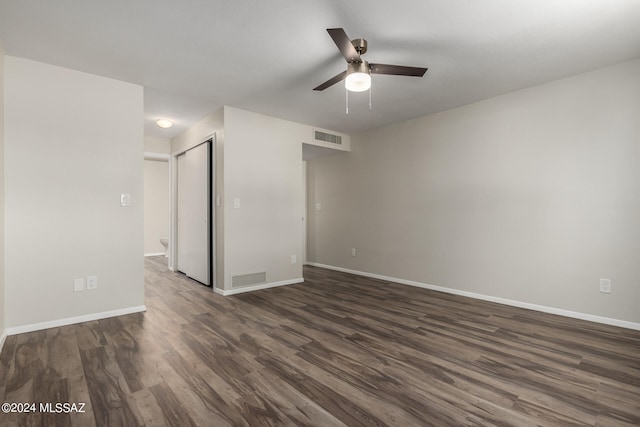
x=358 y=77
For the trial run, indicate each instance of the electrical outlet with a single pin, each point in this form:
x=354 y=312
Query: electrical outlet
x=318 y=207
x=353 y=251
x=78 y=285
x=92 y=282
x=294 y=259
x=605 y=286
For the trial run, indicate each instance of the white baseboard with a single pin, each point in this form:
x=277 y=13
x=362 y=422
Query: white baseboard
x=257 y=287
x=72 y=320
x=520 y=304
x=3 y=336
x=154 y=254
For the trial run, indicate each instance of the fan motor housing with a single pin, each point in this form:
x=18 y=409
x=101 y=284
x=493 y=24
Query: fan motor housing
x=360 y=45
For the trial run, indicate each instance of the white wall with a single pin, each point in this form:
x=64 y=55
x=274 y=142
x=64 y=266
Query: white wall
x=196 y=134
x=262 y=168
x=156 y=195
x=2 y=234
x=73 y=144
x=259 y=161
x=154 y=144
x=532 y=196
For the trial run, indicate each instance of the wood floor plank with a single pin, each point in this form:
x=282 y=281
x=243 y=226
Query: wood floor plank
x=329 y=398
x=175 y=415
x=337 y=350
x=191 y=399
x=107 y=389
x=150 y=411
x=214 y=403
x=299 y=409
x=79 y=394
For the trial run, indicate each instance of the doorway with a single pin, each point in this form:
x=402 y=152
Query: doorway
x=157 y=190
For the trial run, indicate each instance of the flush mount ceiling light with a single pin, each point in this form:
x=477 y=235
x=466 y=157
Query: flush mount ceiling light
x=164 y=123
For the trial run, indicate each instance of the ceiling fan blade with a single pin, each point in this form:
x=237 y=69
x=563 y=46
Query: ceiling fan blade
x=397 y=70
x=333 y=80
x=341 y=40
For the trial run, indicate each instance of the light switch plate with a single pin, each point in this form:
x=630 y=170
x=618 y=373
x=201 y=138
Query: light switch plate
x=125 y=199
x=236 y=203
x=78 y=285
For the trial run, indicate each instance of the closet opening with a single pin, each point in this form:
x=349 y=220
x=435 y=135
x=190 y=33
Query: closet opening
x=193 y=216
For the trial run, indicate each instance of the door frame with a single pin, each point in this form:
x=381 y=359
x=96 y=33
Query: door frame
x=304 y=212
x=165 y=158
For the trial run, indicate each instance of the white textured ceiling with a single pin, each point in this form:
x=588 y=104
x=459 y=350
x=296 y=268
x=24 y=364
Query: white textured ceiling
x=266 y=56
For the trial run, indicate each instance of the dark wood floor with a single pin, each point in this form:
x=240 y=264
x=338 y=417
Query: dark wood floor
x=336 y=350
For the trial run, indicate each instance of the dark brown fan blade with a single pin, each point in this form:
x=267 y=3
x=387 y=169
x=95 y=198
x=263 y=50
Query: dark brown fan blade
x=341 y=40
x=333 y=80
x=397 y=70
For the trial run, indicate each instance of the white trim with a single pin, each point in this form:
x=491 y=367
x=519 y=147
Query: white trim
x=155 y=254
x=213 y=210
x=72 y=320
x=304 y=212
x=257 y=287
x=3 y=337
x=173 y=214
x=520 y=304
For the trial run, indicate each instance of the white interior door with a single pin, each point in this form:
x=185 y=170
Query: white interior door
x=198 y=213
x=193 y=213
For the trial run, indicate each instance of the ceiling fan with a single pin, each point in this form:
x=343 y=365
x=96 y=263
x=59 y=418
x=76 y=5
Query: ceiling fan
x=357 y=76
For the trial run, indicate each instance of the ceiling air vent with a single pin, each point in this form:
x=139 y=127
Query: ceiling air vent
x=327 y=137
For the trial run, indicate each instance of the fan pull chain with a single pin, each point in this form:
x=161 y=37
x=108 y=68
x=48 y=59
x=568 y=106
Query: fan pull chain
x=370 y=98
x=347 y=100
